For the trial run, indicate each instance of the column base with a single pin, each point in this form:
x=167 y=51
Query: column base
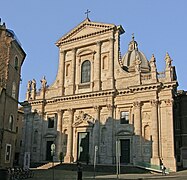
x=68 y=159
x=155 y=161
x=170 y=163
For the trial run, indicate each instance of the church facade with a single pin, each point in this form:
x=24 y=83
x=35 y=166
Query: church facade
x=102 y=101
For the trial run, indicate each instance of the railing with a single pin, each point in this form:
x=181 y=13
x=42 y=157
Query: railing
x=151 y=167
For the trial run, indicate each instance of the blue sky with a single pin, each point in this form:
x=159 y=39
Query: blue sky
x=159 y=26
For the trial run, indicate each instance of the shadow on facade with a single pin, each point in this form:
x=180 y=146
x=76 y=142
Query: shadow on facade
x=101 y=139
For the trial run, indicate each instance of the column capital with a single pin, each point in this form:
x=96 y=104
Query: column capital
x=99 y=43
x=70 y=110
x=169 y=102
x=154 y=102
x=97 y=108
x=62 y=51
x=109 y=106
x=74 y=50
x=60 y=111
x=111 y=39
x=137 y=104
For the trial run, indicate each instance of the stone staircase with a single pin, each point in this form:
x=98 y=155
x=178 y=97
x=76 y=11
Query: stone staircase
x=48 y=165
x=102 y=168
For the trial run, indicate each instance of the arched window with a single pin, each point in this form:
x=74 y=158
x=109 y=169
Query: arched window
x=11 y=122
x=14 y=90
x=16 y=63
x=35 y=136
x=85 y=71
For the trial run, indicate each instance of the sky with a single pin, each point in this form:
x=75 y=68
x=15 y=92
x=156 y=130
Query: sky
x=159 y=26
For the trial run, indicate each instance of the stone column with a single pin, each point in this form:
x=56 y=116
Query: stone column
x=138 y=130
x=73 y=70
x=59 y=135
x=137 y=118
x=96 y=134
x=61 y=73
x=69 y=155
x=155 y=133
x=110 y=125
x=97 y=68
x=111 y=63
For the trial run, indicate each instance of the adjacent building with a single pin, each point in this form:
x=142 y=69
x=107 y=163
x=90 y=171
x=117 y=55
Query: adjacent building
x=101 y=99
x=180 y=126
x=11 y=59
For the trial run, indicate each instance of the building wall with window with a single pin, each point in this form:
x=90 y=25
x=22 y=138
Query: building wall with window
x=11 y=60
x=102 y=101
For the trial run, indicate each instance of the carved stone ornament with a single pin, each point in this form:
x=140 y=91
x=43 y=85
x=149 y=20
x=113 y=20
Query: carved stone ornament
x=83 y=119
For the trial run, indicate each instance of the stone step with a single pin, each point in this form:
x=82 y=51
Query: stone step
x=101 y=168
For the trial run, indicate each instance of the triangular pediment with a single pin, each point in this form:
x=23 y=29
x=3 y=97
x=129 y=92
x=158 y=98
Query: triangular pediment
x=83 y=120
x=85 y=29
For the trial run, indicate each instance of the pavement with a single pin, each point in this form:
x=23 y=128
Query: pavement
x=54 y=174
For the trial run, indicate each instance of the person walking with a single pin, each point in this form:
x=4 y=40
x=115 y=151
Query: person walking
x=79 y=171
x=163 y=168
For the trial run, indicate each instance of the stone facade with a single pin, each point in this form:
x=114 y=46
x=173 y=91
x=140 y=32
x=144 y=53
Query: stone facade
x=11 y=60
x=100 y=98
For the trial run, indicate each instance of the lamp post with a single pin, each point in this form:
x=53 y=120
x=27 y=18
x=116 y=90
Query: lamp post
x=118 y=154
x=52 y=154
x=95 y=158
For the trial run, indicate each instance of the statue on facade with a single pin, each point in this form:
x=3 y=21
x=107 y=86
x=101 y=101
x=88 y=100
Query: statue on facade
x=29 y=86
x=137 y=64
x=152 y=63
x=168 y=61
x=43 y=82
x=34 y=85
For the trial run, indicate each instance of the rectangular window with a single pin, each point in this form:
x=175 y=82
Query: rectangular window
x=8 y=153
x=124 y=119
x=51 y=122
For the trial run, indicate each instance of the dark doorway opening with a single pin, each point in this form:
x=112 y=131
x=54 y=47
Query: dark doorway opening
x=48 y=151
x=83 y=147
x=125 y=151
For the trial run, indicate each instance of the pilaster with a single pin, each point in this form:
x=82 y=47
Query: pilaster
x=111 y=63
x=169 y=153
x=73 y=70
x=155 y=133
x=97 y=68
x=61 y=73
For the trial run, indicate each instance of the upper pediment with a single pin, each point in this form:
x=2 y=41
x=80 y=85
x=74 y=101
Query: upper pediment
x=85 y=29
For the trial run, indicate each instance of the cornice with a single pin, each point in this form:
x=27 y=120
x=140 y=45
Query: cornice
x=83 y=37
x=73 y=97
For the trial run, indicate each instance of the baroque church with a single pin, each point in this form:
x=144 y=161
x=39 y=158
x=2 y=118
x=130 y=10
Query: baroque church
x=99 y=98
